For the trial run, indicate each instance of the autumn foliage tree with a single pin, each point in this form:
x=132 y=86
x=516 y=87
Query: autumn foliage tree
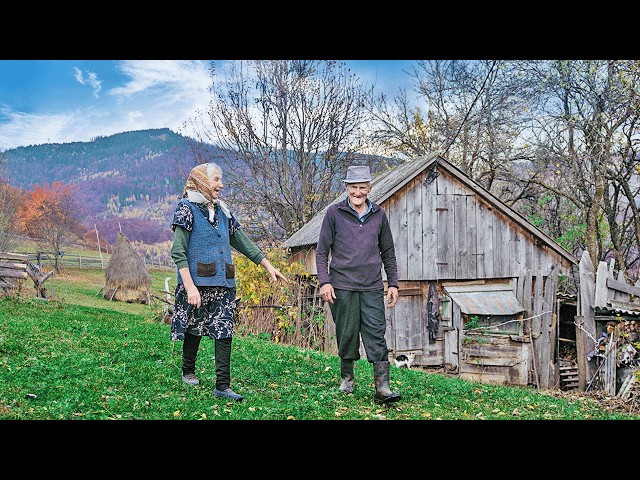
x=51 y=213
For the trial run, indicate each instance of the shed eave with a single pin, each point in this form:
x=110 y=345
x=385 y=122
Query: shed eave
x=485 y=299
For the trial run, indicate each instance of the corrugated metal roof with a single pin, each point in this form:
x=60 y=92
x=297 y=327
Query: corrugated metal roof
x=615 y=310
x=485 y=299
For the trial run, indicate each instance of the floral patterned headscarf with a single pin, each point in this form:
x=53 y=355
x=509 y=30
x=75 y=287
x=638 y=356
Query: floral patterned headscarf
x=198 y=190
x=198 y=181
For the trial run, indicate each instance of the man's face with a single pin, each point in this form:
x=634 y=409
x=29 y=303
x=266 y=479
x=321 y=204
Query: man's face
x=358 y=193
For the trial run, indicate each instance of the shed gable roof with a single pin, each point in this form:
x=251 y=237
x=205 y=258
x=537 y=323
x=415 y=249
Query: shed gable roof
x=384 y=185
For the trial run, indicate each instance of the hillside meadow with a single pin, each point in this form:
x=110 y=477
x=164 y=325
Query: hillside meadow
x=79 y=356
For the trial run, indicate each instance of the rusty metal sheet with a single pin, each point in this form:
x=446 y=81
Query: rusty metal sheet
x=485 y=299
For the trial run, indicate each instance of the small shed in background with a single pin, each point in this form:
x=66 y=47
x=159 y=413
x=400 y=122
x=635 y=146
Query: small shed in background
x=478 y=282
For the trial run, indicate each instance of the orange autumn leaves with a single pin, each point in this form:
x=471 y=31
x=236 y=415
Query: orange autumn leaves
x=50 y=212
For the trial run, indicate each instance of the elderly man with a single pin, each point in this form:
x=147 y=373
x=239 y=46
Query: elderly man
x=357 y=236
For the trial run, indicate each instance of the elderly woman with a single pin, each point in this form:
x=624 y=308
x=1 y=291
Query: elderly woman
x=204 y=230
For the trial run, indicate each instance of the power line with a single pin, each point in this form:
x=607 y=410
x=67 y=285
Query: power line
x=470 y=108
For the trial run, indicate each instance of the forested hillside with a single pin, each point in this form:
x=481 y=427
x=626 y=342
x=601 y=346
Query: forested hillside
x=130 y=180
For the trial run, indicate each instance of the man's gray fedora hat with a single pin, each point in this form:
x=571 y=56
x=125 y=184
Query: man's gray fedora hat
x=358 y=174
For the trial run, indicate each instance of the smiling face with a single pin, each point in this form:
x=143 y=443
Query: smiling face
x=206 y=179
x=215 y=184
x=358 y=193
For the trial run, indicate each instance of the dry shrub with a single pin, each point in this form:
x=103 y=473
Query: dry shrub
x=288 y=313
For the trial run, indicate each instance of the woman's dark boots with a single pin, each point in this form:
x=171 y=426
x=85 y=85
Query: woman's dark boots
x=346 y=376
x=381 y=379
x=189 y=354
x=223 y=370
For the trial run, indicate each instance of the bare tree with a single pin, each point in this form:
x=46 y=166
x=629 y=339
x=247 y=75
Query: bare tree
x=620 y=205
x=583 y=124
x=556 y=140
x=290 y=129
x=401 y=130
x=9 y=197
x=470 y=112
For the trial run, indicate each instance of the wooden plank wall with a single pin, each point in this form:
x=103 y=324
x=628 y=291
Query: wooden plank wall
x=443 y=231
x=415 y=247
x=406 y=325
x=537 y=294
x=494 y=359
x=485 y=216
x=505 y=359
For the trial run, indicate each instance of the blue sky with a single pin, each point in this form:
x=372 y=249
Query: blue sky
x=61 y=101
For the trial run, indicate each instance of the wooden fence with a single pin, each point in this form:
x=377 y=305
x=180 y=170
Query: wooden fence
x=83 y=260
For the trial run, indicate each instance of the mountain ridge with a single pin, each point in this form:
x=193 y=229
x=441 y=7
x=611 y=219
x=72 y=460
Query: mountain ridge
x=129 y=180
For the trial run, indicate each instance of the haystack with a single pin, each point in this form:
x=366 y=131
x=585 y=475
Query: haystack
x=126 y=277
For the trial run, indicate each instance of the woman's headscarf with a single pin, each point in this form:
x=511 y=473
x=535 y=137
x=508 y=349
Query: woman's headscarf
x=198 y=190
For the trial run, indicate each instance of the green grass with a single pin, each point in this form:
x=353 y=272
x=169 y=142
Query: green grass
x=82 y=286
x=63 y=361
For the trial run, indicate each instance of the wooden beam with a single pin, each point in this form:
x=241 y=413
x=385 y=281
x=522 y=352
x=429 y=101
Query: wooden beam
x=405 y=292
x=6 y=273
x=21 y=257
x=601 y=294
x=623 y=287
x=13 y=266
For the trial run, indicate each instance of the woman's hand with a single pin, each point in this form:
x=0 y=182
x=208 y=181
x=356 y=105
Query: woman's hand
x=193 y=296
x=273 y=271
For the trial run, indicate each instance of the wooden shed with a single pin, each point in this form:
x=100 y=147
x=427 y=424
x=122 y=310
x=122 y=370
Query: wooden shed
x=478 y=282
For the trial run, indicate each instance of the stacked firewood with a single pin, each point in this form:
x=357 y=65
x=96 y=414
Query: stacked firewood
x=627 y=342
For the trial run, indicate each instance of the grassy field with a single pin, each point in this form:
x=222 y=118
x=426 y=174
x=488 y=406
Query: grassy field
x=82 y=286
x=80 y=356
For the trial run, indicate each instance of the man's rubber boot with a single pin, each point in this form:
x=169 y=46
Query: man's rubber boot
x=346 y=376
x=381 y=379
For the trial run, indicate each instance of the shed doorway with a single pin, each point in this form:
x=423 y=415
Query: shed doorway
x=566 y=347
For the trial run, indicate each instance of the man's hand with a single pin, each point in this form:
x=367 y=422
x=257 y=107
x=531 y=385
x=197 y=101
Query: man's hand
x=327 y=293
x=392 y=296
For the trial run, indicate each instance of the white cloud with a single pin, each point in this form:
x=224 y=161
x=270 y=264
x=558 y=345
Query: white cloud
x=38 y=128
x=134 y=116
x=177 y=79
x=91 y=80
x=162 y=93
x=154 y=94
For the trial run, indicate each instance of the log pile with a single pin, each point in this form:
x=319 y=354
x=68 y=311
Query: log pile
x=15 y=269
